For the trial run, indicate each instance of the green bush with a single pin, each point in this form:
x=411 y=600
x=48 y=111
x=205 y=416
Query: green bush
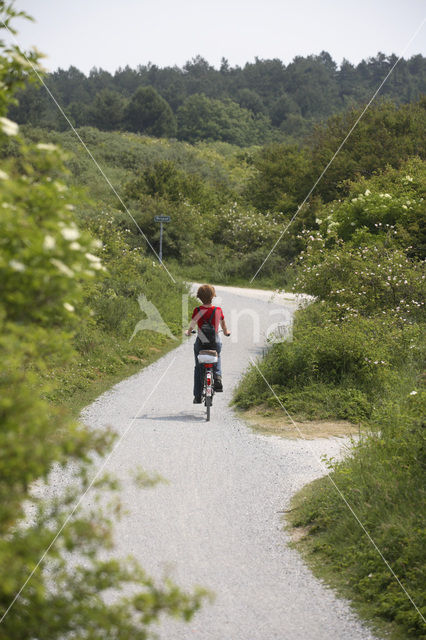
x=358 y=353
x=48 y=266
x=365 y=280
x=384 y=482
x=341 y=369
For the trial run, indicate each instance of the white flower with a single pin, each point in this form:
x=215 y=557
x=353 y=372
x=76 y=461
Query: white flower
x=48 y=146
x=75 y=246
x=69 y=307
x=409 y=178
x=97 y=244
x=404 y=206
x=95 y=262
x=69 y=207
x=92 y=258
x=49 y=242
x=60 y=187
x=318 y=221
x=367 y=192
x=9 y=127
x=16 y=265
x=3 y=175
x=62 y=267
x=413 y=393
x=21 y=60
x=387 y=195
x=70 y=233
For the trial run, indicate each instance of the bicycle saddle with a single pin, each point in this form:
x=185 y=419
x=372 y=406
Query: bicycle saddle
x=207 y=356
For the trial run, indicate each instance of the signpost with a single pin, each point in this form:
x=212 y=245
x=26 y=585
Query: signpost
x=161 y=220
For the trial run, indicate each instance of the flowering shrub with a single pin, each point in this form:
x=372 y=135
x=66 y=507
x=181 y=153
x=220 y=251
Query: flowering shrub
x=358 y=353
x=246 y=229
x=390 y=205
x=369 y=280
x=47 y=266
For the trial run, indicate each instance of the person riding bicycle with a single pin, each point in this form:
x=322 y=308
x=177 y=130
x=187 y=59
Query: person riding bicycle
x=207 y=318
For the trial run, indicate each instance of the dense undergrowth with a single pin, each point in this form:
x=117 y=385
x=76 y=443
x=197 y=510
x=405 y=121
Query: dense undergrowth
x=107 y=342
x=358 y=352
x=68 y=289
x=383 y=481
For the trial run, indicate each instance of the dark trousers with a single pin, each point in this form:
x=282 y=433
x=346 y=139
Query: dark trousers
x=199 y=368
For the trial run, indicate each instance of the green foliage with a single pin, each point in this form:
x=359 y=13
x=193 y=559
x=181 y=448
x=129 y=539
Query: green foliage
x=199 y=185
x=15 y=65
x=384 y=482
x=147 y=112
x=339 y=370
x=292 y=97
x=249 y=99
x=364 y=280
x=278 y=181
x=390 y=203
x=107 y=110
x=203 y=118
x=358 y=353
x=385 y=135
x=165 y=180
x=49 y=268
x=105 y=347
x=282 y=108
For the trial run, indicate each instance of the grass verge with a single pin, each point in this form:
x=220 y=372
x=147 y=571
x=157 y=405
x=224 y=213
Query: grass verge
x=311 y=545
x=86 y=388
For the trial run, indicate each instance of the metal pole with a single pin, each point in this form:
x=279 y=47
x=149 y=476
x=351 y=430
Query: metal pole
x=161 y=243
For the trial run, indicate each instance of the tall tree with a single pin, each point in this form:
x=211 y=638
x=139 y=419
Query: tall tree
x=386 y=135
x=201 y=118
x=107 y=110
x=148 y=113
x=279 y=180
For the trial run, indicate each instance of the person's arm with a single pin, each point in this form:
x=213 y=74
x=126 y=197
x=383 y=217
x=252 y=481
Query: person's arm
x=224 y=327
x=193 y=323
x=191 y=327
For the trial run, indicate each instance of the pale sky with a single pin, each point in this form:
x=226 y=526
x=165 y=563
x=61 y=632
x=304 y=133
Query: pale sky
x=111 y=33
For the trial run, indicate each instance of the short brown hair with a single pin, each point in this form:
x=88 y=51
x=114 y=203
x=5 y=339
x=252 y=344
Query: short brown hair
x=206 y=293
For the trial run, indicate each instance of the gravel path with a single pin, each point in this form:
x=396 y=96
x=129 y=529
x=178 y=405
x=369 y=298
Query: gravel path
x=217 y=522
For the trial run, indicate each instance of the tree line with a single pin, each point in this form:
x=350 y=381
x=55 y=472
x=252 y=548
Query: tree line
x=262 y=101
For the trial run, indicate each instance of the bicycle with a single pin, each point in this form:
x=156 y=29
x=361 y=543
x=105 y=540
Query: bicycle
x=207 y=357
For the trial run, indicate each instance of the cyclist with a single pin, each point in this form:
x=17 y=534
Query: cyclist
x=207 y=318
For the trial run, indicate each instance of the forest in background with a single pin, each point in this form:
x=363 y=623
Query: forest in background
x=227 y=204
x=263 y=101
